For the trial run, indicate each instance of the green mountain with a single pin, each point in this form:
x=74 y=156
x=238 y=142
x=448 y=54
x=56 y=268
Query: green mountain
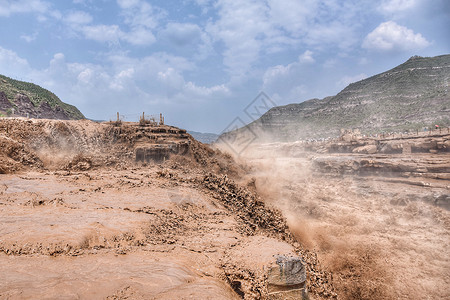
x=411 y=96
x=21 y=98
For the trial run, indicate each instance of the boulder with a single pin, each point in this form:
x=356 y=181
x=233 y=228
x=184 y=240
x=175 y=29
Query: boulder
x=287 y=278
x=266 y=268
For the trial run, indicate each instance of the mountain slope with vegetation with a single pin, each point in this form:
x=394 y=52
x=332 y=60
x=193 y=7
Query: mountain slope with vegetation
x=411 y=96
x=21 y=98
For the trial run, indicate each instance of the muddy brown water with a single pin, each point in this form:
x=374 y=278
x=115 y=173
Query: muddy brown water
x=383 y=237
x=91 y=235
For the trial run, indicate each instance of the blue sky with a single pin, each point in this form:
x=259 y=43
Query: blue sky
x=201 y=62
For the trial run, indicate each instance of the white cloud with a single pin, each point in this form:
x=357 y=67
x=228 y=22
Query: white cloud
x=242 y=26
x=203 y=91
x=12 y=65
x=172 y=80
x=112 y=34
x=140 y=13
x=139 y=37
x=282 y=73
x=157 y=62
x=333 y=34
x=288 y=81
x=78 y=18
x=103 y=33
x=182 y=34
x=85 y=76
x=174 y=84
x=274 y=73
x=121 y=79
x=346 y=80
x=188 y=38
x=8 y=7
x=29 y=38
x=389 y=36
x=293 y=16
x=139 y=16
x=128 y=3
x=204 y=4
x=306 y=57
x=125 y=84
x=56 y=14
x=252 y=29
x=319 y=23
x=394 y=6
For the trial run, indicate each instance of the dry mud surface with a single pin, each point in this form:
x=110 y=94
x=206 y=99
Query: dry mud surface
x=379 y=223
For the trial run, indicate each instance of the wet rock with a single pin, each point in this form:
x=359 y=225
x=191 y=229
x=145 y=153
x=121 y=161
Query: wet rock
x=287 y=278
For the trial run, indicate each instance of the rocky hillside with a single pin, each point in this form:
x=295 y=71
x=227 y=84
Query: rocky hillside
x=411 y=96
x=19 y=98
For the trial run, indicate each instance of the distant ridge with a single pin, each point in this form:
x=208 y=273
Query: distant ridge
x=410 y=96
x=205 y=138
x=20 y=98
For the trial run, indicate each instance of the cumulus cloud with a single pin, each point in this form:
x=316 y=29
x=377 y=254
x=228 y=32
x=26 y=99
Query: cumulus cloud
x=252 y=29
x=242 y=27
x=389 y=36
x=139 y=20
x=126 y=84
x=12 y=65
x=274 y=45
